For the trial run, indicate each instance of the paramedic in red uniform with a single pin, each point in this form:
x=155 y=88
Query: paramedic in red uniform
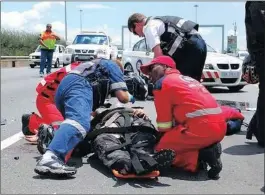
x=189 y=118
x=49 y=114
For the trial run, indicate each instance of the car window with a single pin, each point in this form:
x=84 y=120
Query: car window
x=60 y=49
x=142 y=45
x=63 y=48
x=136 y=46
x=91 y=39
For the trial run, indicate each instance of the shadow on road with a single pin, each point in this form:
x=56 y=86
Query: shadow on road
x=43 y=177
x=262 y=189
x=244 y=150
x=136 y=183
x=180 y=174
x=223 y=90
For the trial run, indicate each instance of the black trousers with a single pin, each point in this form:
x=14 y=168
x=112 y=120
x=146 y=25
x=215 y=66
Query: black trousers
x=191 y=57
x=255 y=28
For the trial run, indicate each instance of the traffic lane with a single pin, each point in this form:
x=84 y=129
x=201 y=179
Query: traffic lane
x=248 y=94
x=243 y=165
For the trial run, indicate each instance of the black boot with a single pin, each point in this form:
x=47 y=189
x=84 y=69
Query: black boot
x=212 y=156
x=25 y=124
x=45 y=134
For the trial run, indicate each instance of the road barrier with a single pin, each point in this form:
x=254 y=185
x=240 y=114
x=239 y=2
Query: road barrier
x=14 y=61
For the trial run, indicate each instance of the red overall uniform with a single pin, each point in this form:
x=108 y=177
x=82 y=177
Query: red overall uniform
x=45 y=99
x=188 y=115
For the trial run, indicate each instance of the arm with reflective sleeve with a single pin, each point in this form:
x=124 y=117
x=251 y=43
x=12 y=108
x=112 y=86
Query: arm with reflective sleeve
x=164 y=109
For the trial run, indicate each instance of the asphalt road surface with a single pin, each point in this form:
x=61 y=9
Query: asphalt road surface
x=243 y=161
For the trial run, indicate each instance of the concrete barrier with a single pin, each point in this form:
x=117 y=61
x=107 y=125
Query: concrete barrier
x=14 y=63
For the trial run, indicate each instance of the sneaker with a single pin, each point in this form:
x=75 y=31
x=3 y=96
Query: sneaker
x=53 y=166
x=25 y=124
x=212 y=156
x=41 y=74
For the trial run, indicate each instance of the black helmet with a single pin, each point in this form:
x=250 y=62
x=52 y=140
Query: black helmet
x=250 y=71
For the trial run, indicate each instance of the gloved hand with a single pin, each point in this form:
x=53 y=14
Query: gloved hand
x=131 y=99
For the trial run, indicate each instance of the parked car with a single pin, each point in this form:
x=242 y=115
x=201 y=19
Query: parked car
x=219 y=69
x=242 y=54
x=57 y=58
x=89 y=45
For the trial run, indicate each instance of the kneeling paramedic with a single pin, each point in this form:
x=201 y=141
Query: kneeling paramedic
x=80 y=92
x=45 y=104
x=190 y=118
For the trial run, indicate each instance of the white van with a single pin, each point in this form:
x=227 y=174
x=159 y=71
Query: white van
x=57 y=58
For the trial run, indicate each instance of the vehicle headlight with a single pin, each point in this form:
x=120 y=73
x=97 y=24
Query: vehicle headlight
x=69 y=51
x=101 y=53
x=208 y=66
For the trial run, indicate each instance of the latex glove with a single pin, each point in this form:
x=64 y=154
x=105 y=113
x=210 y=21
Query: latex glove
x=131 y=99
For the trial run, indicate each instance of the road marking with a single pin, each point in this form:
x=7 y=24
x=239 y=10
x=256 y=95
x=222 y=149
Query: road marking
x=11 y=140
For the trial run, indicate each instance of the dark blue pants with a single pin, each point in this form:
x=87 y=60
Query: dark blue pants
x=191 y=57
x=46 y=59
x=74 y=99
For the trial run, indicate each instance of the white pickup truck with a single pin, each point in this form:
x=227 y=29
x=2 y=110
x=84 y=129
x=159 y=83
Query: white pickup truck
x=89 y=45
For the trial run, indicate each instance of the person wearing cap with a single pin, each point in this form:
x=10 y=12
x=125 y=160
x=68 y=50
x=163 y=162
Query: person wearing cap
x=175 y=37
x=188 y=116
x=47 y=41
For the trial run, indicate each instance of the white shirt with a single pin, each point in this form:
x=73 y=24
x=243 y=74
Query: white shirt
x=154 y=29
x=152 y=32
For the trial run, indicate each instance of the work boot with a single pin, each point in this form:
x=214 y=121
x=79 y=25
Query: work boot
x=51 y=165
x=45 y=136
x=164 y=158
x=25 y=124
x=212 y=156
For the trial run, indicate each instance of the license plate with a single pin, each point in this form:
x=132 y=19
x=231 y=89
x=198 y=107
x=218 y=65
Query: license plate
x=230 y=74
x=83 y=57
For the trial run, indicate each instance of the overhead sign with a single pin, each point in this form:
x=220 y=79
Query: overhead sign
x=232 y=43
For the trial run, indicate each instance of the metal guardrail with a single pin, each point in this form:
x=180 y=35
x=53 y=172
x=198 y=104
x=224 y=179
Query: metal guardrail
x=14 y=57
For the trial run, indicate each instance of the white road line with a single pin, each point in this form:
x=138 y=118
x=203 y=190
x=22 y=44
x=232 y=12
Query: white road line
x=11 y=140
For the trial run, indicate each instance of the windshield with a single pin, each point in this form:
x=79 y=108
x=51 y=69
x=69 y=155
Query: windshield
x=91 y=39
x=210 y=49
x=38 y=49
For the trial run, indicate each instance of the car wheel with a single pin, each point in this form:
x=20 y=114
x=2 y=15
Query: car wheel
x=56 y=65
x=128 y=68
x=236 y=88
x=32 y=65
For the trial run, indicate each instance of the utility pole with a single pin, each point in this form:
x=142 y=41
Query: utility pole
x=235 y=28
x=196 y=6
x=65 y=20
x=81 y=20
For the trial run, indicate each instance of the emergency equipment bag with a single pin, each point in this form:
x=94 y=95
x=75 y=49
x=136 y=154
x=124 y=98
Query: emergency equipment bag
x=136 y=85
x=250 y=74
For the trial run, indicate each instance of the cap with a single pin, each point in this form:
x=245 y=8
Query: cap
x=164 y=60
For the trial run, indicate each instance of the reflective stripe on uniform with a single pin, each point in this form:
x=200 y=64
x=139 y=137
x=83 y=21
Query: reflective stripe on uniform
x=77 y=125
x=118 y=85
x=68 y=68
x=175 y=45
x=203 y=112
x=43 y=82
x=181 y=22
x=164 y=125
x=76 y=72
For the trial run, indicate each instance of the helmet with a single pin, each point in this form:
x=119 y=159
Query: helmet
x=250 y=71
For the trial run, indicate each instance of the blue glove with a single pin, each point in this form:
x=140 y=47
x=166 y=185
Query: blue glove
x=131 y=99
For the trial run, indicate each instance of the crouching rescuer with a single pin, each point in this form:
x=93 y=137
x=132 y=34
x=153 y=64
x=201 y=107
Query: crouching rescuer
x=80 y=92
x=188 y=115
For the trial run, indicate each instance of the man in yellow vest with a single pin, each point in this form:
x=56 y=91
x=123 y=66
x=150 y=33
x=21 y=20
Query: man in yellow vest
x=47 y=42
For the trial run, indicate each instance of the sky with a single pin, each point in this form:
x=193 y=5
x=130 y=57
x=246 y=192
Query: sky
x=110 y=16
